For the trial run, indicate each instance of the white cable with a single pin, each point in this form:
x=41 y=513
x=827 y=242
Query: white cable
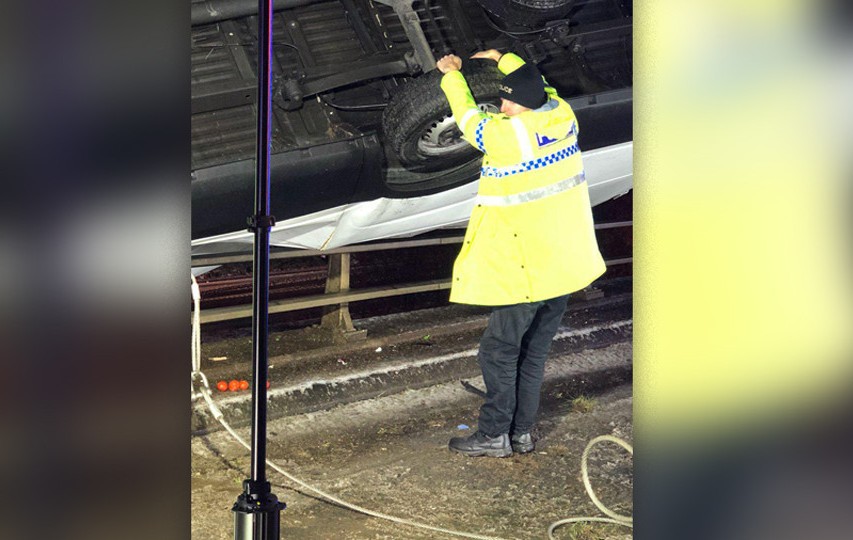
x=205 y=393
x=340 y=502
x=617 y=519
x=196 y=337
x=196 y=340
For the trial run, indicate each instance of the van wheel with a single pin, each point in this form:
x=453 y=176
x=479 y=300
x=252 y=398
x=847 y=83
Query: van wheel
x=418 y=126
x=528 y=13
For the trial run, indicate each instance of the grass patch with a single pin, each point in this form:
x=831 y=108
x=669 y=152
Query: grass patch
x=594 y=531
x=583 y=404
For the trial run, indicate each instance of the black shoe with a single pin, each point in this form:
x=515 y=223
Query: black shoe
x=479 y=444
x=522 y=443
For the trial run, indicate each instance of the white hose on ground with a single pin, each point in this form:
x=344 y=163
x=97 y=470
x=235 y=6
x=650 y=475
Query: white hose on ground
x=206 y=393
x=617 y=519
x=196 y=339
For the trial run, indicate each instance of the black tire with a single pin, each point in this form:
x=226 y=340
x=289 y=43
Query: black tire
x=528 y=13
x=417 y=123
x=410 y=183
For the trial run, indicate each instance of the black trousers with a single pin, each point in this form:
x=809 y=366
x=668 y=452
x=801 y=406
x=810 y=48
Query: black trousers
x=512 y=356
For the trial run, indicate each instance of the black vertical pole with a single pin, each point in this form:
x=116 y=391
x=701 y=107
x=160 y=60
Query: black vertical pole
x=260 y=275
x=257 y=510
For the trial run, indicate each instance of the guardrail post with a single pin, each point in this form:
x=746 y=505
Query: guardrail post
x=337 y=317
x=589 y=292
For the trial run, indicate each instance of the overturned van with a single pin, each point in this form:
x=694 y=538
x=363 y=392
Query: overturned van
x=363 y=143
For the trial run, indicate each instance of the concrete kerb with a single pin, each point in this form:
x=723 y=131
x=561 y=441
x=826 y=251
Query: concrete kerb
x=311 y=391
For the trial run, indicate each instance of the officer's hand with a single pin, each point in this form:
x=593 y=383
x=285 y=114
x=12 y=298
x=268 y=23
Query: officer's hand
x=449 y=63
x=491 y=54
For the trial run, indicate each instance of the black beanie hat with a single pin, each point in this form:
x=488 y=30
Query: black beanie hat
x=524 y=86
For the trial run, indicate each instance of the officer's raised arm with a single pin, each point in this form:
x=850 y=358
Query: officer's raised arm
x=485 y=131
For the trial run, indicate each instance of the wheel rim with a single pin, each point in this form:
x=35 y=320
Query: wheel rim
x=442 y=138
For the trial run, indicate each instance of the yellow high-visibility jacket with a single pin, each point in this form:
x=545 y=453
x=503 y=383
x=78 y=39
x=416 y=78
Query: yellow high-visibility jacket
x=530 y=236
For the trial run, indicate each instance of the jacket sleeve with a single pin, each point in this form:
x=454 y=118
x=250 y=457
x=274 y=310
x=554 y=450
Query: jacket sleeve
x=509 y=62
x=490 y=133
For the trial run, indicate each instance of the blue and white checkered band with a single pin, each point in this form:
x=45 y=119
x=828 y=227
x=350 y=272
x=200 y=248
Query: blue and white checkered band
x=478 y=134
x=538 y=163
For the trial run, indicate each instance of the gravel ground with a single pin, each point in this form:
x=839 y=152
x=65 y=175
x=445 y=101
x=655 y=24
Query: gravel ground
x=389 y=454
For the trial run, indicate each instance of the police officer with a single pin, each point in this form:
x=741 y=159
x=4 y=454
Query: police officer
x=530 y=241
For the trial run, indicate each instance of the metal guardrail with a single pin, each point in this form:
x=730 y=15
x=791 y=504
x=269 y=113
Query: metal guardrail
x=339 y=274
x=321 y=300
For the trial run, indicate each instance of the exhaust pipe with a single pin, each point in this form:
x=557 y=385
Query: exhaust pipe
x=211 y=11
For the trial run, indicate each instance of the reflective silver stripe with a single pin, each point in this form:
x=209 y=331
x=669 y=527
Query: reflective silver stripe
x=533 y=194
x=467 y=116
x=523 y=139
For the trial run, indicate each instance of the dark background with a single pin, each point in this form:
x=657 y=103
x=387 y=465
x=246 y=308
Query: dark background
x=94 y=333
